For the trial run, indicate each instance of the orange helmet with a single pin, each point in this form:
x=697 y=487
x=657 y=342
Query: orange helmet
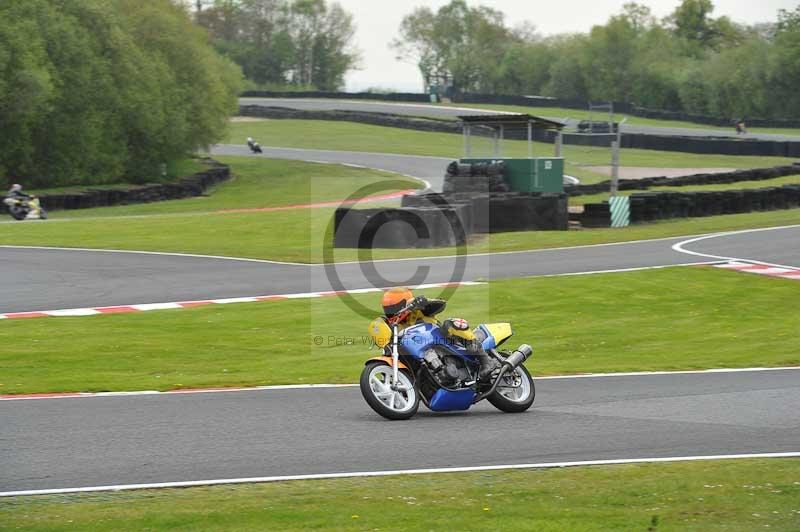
x=395 y=299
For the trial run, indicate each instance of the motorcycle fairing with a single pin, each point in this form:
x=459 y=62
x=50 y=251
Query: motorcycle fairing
x=451 y=400
x=419 y=338
x=495 y=334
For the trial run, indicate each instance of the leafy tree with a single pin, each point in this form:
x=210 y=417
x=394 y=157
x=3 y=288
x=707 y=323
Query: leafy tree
x=457 y=45
x=98 y=91
x=304 y=42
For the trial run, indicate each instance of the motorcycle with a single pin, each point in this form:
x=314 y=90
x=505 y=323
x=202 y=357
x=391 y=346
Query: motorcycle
x=25 y=208
x=421 y=363
x=254 y=147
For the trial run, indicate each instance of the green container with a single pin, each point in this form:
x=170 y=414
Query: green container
x=540 y=174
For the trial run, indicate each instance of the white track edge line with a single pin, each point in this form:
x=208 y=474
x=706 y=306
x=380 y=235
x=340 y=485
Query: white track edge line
x=692 y=238
x=88 y=395
x=324 y=476
x=680 y=246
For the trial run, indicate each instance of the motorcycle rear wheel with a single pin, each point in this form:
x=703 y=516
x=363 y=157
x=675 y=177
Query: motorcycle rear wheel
x=375 y=384
x=514 y=400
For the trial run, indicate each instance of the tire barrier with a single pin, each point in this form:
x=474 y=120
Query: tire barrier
x=194 y=185
x=756 y=174
x=409 y=227
x=503 y=212
x=641 y=141
x=475 y=177
x=447 y=220
x=654 y=206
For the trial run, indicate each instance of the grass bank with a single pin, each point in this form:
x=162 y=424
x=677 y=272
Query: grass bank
x=742 y=495
x=573 y=322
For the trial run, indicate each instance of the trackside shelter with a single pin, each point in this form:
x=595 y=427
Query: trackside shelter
x=523 y=174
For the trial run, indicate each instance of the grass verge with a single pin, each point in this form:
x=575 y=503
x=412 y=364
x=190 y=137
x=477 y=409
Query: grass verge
x=573 y=322
x=298 y=235
x=260 y=183
x=741 y=495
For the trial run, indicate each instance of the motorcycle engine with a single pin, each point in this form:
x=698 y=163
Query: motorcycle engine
x=451 y=371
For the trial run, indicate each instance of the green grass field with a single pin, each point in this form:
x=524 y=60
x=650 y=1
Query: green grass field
x=573 y=322
x=741 y=495
x=260 y=183
x=349 y=136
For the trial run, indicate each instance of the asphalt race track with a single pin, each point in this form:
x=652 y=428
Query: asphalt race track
x=102 y=441
x=436 y=111
x=430 y=169
x=51 y=279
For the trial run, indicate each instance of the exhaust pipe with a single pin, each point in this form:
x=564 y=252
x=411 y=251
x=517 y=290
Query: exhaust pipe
x=519 y=356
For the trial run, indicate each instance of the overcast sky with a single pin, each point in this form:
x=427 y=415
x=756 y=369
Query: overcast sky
x=378 y=21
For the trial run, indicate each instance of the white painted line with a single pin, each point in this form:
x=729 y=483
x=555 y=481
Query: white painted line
x=156 y=306
x=680 y=247
x=146 y=307
x=655 y=373
x=87 y=395
x=71 y=312
x=677 y=247
x=161 y=253
x=623 y=270
x=361 y=474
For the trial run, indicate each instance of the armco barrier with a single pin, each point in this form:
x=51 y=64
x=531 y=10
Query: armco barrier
x=652 y=206
x=194 y=185
x=703 y=145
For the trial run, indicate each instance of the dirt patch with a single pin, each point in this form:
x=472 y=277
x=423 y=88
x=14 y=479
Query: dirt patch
x=637 y=172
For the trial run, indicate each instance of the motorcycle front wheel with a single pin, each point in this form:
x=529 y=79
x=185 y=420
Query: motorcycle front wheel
x=515 y=393
x=18 y=213
x=376 y=387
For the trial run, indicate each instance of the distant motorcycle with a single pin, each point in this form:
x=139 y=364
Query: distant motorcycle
x=421 y=364
x=25 y=208
x=254 y=146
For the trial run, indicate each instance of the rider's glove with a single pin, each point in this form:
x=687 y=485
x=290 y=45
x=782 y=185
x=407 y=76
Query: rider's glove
x=419 y=302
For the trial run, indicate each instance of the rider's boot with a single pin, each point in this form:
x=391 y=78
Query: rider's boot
x=488 y=364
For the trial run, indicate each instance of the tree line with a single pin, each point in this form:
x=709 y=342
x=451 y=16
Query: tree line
x=96 y=91
x=303 y=43
x=689 y=61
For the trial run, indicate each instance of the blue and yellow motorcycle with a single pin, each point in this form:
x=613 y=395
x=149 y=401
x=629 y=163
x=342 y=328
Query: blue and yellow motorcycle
x=426 y=362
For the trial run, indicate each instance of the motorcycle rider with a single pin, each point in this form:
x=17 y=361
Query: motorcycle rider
x=15 y=194
x=425 y=311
